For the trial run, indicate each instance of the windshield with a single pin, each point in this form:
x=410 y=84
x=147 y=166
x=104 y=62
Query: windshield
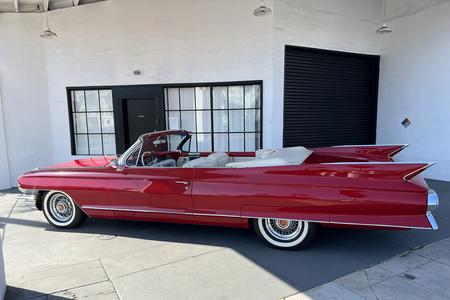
x=154 y=143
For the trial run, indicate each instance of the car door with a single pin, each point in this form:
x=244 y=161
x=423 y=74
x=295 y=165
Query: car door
x=145 y=193
x=141 y=191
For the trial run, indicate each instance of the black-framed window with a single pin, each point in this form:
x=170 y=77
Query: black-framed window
x=92 y=116
x=220 y=117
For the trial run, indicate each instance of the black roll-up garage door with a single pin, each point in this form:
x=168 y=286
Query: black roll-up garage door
x=330 y=97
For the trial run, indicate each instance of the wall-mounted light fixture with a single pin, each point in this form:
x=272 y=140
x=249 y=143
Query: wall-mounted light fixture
x=262 y=10
x=47 y=33
x=384 y=28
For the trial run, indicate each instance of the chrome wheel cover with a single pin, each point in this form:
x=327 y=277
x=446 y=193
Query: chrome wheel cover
x=283 y=230
x=61 y=207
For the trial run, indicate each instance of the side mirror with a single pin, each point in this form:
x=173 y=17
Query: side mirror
x=116 y=164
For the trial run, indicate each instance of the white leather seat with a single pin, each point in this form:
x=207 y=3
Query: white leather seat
x=266 y=162
x=165 y=163
x=214 y=160
x=263 y=153
x=221 y=158
x=293 y=155
x=275 y=157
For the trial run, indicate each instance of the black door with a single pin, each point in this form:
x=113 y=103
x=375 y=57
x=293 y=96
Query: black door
x=137 y=110
x=142 y=116
x=330 y=97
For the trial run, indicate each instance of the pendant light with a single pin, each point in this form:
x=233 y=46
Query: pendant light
x=384 y=28
x=262 y=10
x=47 y=33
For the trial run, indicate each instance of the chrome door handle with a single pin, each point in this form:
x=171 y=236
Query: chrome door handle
x=182 y=182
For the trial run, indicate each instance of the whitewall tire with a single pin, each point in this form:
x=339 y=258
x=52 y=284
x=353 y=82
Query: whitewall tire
x=285 y=234
x=61 y=211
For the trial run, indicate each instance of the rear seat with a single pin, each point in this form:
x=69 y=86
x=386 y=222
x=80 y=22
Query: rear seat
x=214 y=160
x=275 y=157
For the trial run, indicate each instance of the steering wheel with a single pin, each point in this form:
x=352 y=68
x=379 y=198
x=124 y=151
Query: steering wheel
x=149 y=157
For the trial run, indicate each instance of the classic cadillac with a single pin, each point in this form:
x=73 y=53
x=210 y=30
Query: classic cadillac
x=284 y=194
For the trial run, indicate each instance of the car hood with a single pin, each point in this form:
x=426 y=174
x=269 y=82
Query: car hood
x=98 y=161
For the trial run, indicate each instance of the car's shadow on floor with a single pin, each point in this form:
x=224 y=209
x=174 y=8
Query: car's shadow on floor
x=334 y=252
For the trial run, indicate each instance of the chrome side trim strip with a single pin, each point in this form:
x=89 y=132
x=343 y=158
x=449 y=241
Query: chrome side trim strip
x=135 y=210
x=404 y=145
x=432 y=221
x=218 y=215
x=429 y=216
x=380 y=163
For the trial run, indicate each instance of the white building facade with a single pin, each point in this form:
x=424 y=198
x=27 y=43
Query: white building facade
x=218 y=41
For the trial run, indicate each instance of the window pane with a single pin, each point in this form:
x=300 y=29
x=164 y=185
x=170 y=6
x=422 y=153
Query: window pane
x=132 y=159
x=174 y=141
x=172 y=99
x=204 y=142
x=106 y=102
x=93 y=122
x=187 y=98
x=109 y=144
x=108 y=122
x=188 y=120
x=79 y=101
x=194 y=143
x=204 y=121
x=92 y=100
x=80 y=123
x=250 y=120
x=252 y=96
x=173 y=121
x=258 y=120
x=81 y=144
x=250 y=141
x=221 y=142
x=202 y=98
x=220 y=97
x=220 y=118
x=95 y=144
x=236 y=120
x=236 y=96
x=236 y=142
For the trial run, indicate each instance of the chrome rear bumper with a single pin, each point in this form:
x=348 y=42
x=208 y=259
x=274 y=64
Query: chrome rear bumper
x=432 y=204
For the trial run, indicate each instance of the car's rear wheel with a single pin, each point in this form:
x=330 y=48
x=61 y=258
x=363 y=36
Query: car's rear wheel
x=61 y=211
x=285 y=234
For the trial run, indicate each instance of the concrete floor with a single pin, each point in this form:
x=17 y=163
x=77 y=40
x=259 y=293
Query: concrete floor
x=132 y=260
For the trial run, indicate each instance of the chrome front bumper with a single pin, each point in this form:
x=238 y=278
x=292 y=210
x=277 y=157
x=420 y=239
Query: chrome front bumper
x=27 y=195
x=432 y=204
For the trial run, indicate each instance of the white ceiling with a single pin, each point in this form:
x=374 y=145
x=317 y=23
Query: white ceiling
x=394 y=8
x=400 y=8
x=36 y=6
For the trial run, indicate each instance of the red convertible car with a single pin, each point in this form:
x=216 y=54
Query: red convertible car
x=284 y=194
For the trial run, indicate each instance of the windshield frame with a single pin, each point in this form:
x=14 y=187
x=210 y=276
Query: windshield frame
x=186 y=137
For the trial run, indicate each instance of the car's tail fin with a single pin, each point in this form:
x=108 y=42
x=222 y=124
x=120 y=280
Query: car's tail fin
x=370 y=152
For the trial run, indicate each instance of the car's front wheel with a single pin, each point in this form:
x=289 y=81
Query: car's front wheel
x=285 y=234
x=61 y=211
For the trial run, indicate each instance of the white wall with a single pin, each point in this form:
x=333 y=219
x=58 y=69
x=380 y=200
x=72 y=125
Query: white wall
x=415 y=83
x=344 y=25
x=211 y=40
x=4 y=167
x=23 y=85
x=195 y=41
x=169 y=41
